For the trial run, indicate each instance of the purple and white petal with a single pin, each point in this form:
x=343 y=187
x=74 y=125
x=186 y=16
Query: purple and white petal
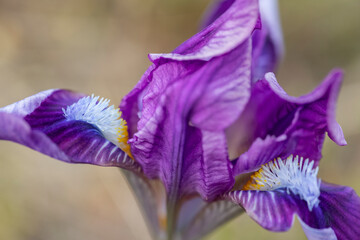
x=39 y=122
x=273 y=210
x=15 y=129
x=341 y=207
x=276 y=210
x=337 y=216
x=317 y=234
x=29 y=104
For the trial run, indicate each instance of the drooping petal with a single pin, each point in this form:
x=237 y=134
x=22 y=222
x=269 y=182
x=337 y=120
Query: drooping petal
x=318 y=234
x=297 y=124
x=273 y=210
x=29 y=104
x=336 y=217
x=38 y=122
x=227 y=32
x=15 y=129
x=341 y=207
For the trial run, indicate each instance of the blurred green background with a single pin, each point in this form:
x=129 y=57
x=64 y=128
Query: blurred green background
x=100 y=47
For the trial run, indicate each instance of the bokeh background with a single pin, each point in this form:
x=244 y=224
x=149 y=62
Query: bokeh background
x=100 y=47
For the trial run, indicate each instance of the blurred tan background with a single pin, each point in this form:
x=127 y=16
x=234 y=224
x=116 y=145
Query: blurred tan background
x=100 y=47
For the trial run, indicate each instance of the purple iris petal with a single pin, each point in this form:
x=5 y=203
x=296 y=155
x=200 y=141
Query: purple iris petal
x=179 y=93
x=215 y=10
x=268 y=45
x=182 y=102
x=205 y=171
x=38 y=122
x=341 y=206
x=227 y=32
x=278 y=125
x=267 y=39
x=337 y=213
x=165 y=139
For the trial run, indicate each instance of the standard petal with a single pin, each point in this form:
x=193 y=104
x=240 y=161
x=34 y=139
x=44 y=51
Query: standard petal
x=206 y=169
x=182 y=96
x=167 y=137
x=38 y=122
x=131 y=104
x=227 y=32
x=267 y=38
x=302 y=120
x=325 y=95
x=226 y=92
x=268 y=44
x=259 y=153
x=215 y=10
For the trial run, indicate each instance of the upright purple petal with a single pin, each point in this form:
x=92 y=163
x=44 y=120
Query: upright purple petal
x=207 y=172
x=268 y=44
x=131 y=104
x=185 y=101
x=215 y=10
x=226 y=92
x=267 y=39
x=278 y=125
x=227 y=32
x=165 y=140
x=179 y=101
x=38 y=122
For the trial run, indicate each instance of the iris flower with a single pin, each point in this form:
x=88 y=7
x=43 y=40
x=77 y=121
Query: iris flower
x=173 y=132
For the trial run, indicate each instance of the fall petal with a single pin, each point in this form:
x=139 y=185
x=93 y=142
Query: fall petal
x=39 y=122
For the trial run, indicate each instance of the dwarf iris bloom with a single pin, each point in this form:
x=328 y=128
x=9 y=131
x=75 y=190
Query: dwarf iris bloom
x=174 y=130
